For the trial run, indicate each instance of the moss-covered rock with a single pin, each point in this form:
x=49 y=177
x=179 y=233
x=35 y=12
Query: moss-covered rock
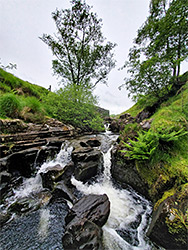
x=170 y=219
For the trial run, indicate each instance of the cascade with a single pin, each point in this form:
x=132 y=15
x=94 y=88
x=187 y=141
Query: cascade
x=43 y=229
x=129 y=212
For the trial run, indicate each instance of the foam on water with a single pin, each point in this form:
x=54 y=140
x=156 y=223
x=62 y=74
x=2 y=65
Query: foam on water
x=124 y=209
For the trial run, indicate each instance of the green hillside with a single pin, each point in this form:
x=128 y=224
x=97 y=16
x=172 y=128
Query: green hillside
x=160 y=152
x=32 y=103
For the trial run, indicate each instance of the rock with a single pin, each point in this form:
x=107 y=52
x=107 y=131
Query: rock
x=95 y=208
x=83 y=234
x=114 y=126
x=146 y=124
x=93 y=142
x=12 y=126
x=57 y=173
x=88 y=163
x=84 y=221
x=168 y=226
x=129 y=235
x=30 y=203
x=4 y=188
x=125 y=173
x=22 y=162
x=62 y=191
x=126 y=116
x=5 y=177
x=4 y=217
x=147 y=112
x=86 y=170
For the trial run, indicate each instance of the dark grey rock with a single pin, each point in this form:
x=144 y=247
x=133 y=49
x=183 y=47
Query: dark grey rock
x=84 y=221
x=95 y=208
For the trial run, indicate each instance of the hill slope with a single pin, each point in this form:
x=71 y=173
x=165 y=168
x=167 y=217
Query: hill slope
x=153 y=158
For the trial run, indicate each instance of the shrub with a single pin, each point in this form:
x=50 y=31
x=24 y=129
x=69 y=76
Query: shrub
x=9 y=105
x=75 y=106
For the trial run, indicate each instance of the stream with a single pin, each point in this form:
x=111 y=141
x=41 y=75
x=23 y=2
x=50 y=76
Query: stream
x=125 y=228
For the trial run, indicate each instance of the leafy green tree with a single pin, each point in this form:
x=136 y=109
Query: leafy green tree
x=82 y=56
x=159 y=48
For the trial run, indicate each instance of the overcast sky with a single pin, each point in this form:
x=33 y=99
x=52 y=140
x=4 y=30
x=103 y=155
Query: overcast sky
x=22 y=22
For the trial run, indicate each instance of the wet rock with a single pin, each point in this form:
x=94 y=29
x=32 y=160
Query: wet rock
x=84 y=221
x=82 y=234
x=5 y=177
x=61 y=190
x=4 y=217
x=86 y=170
x=4 y=188
x=56 y=173
x=168 y=226
x=30 y=203
x=50 y=175
x=95 y=208
x=93 y=142
x=125 y=173
x=130 y=235
x=88 y=163
x=20 y=162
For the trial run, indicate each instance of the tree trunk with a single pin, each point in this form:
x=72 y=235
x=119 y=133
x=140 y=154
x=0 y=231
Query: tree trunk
x=179 y=55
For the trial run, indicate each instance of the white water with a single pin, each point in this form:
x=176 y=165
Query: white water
x=34 y=184
x=124 y=209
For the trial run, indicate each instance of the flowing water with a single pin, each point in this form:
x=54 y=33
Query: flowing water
x=43 y=229
x=129 y=212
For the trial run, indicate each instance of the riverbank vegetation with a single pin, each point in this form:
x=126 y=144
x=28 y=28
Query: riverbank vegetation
x=32 y=103
x=159 y=150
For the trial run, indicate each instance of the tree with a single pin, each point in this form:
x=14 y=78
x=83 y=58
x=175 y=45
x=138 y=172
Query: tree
x=83 y=114
x=82 y=57
x=159 y=48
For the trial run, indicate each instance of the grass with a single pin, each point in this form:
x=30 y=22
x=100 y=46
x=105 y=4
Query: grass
x=11 y=83
x=168 y=167
x=36 y=103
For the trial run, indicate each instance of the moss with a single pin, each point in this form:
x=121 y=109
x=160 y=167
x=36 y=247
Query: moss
x=177 y=222
x=166 y=195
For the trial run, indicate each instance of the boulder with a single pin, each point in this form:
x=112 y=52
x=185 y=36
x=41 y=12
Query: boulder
x=82 y=234
x=56 y=173
x=168 y=227
x=50 y=175
x=88 y=163
x=84 y=221
x=5 y=177
x=95 y=208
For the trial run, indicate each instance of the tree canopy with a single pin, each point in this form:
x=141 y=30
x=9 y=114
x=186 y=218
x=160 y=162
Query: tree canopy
x=159 y=48
x=81 y=55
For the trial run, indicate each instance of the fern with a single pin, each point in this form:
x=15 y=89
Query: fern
x=147 y=143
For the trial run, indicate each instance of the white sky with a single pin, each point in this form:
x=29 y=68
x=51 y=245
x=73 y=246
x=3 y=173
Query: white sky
x=22 y=22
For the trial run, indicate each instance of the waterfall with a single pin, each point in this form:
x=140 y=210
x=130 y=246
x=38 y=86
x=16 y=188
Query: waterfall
x=126 y=207
x=124 y=229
